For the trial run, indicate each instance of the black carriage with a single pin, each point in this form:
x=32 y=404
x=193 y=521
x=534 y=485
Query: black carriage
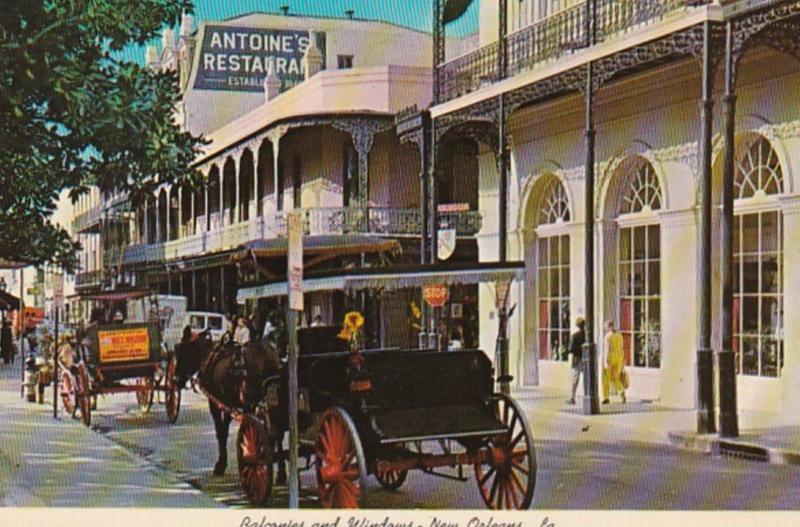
x=121 y=358
x=382 y=413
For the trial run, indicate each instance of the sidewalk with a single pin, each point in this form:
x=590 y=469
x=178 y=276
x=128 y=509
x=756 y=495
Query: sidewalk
x=763 y=436
x=61 y=463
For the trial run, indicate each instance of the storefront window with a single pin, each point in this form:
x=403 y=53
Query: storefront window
x=758 y=265
x=639 y=269
x=553 y=276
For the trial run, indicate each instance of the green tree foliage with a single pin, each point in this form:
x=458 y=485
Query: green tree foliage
x=73 y=116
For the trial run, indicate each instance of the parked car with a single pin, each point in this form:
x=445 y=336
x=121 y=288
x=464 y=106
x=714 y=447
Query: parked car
x=200 y=321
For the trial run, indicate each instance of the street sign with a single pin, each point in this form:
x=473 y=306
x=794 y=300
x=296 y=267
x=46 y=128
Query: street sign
x=445 y=243
x=435 y=295
x=58 y=291
x=294 y=268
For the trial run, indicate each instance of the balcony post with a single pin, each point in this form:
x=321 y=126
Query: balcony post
x=158 y=219
x=274 y=137
x=728 y=420
x=221 y=175
x=502 y=155
x=180 y=213
x=590 y=401
x=502 y=41
x=205 y=204
x=237 y=174
x=438 y=48
x=253 y=203
x=144 y=237
x=704 y=394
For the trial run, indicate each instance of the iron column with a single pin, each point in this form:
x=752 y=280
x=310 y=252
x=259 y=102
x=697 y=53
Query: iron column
x=704 y=395
x=590 y=401
x=728 y=420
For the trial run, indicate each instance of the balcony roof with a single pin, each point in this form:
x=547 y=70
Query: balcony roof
x=379 y=91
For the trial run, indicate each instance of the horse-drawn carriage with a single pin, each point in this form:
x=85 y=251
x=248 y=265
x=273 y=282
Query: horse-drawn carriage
x=384 y=413
x=120 y=358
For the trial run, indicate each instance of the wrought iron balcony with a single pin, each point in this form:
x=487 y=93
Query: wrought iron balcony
x=89 y=278
x=466 y=223
x=88 y=221
x=548 y=39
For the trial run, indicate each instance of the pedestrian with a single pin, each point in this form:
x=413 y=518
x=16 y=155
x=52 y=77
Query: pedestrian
x=242 y=334
x=6 y=342
x=576 y=342
x=317 y=321
x=613 y=357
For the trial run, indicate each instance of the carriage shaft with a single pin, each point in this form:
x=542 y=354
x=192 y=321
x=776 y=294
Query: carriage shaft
x=430 y=461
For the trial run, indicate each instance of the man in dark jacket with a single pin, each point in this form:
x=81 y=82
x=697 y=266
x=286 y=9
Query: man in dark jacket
x=576 y=343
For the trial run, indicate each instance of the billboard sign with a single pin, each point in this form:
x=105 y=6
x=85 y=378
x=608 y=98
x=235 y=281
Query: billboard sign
x=239 y=58
x=124 y=345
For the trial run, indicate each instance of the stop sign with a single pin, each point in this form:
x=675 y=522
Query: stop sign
x=435 y=295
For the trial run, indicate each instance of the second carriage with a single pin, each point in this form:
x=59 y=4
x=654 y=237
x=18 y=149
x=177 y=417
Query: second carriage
x=120 y=358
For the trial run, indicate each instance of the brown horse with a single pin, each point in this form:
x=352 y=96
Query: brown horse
x=236 y=377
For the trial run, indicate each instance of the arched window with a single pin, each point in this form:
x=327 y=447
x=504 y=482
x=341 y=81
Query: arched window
x=758 y=259
x=639 y=265
x=644 y=192
x=758 y=170
x=555 y=206
x=553 y=268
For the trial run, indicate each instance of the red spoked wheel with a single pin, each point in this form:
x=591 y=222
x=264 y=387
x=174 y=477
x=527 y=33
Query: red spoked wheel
x=68 y=395
x=83 y=395
x=254 y=460
x=340 y=464
x=144 y=393
x=172 y=391
x=508 y=477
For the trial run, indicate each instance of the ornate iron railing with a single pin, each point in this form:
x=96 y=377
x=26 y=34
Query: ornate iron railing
x=470 y=71
x=551 y=38
x=89 y=278
x=466 y=223
x=87 y=219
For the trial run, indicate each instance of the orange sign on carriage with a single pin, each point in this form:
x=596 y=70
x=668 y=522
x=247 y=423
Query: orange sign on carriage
x=124 y=345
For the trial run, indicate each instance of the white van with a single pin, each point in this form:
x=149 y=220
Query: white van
x=215 y=323
x=169 y=310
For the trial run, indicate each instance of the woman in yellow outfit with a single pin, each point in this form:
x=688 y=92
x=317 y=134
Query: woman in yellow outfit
x=613 y=362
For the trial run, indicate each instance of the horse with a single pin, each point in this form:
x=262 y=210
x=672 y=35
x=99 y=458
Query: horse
x=236 y=377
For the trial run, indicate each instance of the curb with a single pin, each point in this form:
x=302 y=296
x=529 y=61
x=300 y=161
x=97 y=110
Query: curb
x=714 y=445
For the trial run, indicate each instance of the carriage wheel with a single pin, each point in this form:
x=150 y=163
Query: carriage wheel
x=254 y=460
x=508 y=477
x=340 y=462
x=173 y=391
x=68 y=396
x=83 y=395
x=145 y=396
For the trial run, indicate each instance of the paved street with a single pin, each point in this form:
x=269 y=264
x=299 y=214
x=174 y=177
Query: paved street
x=615 y=461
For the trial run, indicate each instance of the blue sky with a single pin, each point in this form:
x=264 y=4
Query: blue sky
x=416 y=14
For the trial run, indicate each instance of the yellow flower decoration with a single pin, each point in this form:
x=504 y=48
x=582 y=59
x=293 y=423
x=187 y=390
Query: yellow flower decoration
x=353 y=321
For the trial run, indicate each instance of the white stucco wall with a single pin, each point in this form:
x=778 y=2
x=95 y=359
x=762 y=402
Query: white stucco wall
x=655 y=115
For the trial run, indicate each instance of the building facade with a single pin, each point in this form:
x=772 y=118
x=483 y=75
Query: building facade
x=551 y=80
x=300 y=114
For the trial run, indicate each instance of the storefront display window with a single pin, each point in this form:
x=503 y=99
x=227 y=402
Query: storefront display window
x=553 y=275
x=639 y=268
x=758 y=263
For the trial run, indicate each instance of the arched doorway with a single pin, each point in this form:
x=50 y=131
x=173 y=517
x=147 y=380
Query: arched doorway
x=547 y=289
x=632 y=264
x=757 y=258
